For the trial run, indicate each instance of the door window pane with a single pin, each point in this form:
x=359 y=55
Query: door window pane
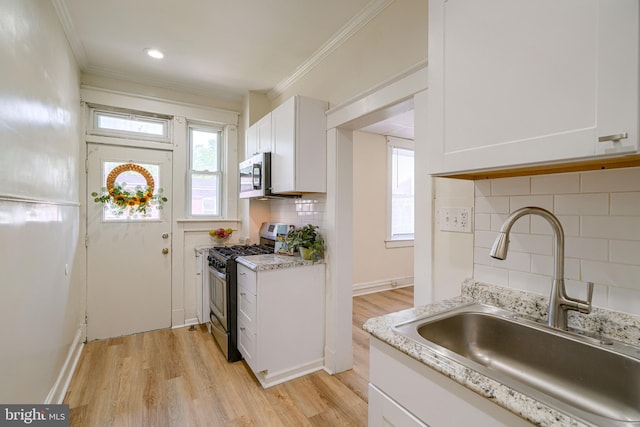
x=132 y=182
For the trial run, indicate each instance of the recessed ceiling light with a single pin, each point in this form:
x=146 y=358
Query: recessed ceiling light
x=154 y=53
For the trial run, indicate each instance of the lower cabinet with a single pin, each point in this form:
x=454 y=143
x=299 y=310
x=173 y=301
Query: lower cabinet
x=409 y=393
x=385 y=412
x=281 y=321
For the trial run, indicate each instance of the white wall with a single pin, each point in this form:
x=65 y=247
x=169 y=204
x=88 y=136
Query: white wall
x=41 y=289
x=373 y=263
x=600 y=214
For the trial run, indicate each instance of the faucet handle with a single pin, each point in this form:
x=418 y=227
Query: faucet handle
x=585 y=306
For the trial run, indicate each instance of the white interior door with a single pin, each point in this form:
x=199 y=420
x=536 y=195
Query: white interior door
x=128 y=257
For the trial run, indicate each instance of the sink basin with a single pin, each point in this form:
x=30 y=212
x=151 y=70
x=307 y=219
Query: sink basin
x=595 y=381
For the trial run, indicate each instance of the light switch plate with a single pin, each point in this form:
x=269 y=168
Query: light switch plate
x=455 y=219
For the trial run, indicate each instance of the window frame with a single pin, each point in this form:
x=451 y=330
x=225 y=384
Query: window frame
x=191 y=126
x=166 y=123
x=399 y=240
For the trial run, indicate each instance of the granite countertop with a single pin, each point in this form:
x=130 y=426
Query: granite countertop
x=273 y=261
x=619 y=326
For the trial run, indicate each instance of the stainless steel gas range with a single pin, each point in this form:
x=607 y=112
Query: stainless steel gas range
x=223 y=285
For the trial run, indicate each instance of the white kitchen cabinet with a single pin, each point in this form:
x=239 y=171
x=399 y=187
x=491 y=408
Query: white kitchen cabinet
x=520 y=82
x=386 y=412
x=299 y=155
x=426 y=396
x=281 y=321
x=259 y=137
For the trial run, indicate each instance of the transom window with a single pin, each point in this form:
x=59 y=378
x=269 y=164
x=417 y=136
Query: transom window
x=205 y=172
x=130 y=124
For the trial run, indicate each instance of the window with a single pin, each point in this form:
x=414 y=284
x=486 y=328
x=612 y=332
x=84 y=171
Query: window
x=401 y=189
x=130 y=124
x=205 y=172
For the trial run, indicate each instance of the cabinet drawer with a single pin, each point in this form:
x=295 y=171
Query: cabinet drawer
x=247 y=278
x=247 y=345
x=247 y=308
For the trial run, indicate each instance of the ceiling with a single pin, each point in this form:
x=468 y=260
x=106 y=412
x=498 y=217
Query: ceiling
x=216 y=48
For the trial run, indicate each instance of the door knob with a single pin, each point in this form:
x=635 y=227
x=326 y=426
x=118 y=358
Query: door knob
x=165 y=235
x=165 y=251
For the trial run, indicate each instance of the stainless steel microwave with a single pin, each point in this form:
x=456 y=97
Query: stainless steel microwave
x=255 y=176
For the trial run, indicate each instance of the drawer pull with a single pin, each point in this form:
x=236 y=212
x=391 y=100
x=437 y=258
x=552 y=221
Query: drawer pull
x=615 y=137
x=243 y=294
x=242 y=329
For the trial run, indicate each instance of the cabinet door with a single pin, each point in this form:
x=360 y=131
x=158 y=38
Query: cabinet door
x=251 y=144
x=265 y=138
x=520 y=82
x=283 y=157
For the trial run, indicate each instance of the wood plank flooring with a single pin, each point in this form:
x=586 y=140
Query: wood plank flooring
x=179 y=377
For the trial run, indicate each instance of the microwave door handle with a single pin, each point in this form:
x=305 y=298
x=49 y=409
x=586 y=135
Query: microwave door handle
x=257 y=176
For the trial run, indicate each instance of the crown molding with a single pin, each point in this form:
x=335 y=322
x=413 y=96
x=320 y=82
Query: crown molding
x=70 y=32
x=349 y=29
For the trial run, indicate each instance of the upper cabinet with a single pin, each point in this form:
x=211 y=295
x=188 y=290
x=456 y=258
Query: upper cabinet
x=259 y=137
x=299 y=152
x=523 y=83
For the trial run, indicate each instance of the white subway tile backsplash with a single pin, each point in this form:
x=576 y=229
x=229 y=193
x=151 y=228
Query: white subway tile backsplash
x=515 y=260
x=492 y=205
x=611 y=227
x=483 y=188
x=600 y=215
x=570 y=225
x=626 y=300
x=578 y=289
x=517 y=202
x=611 y=180
x=625 y=252
x=610 y=274
x=520 y=226
x=535 y=244
x=544 y=264
x=484 y=239
x=511 y=186
x=530 y=282
x=582 y=204
x=482 y=222
x=625 y=203
x=584 y=248
x=493 y=275
x=555 y=184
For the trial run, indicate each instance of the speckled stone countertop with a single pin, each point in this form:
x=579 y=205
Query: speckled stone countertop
x=273 y=261
x=619 y=326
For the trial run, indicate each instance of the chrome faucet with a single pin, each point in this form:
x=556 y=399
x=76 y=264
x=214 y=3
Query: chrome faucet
x=559 y=302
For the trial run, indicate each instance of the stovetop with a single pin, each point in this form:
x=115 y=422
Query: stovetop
x=224 y=253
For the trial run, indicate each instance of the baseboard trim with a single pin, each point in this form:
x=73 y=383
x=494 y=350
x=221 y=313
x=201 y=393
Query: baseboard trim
x=381 y=285
x=59 y=389
x=187 y=322
x=270 y=379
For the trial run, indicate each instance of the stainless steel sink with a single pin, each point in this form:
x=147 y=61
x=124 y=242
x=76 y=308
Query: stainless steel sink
x=595 y=381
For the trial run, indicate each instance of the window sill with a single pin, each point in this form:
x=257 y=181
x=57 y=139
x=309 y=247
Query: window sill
x=399 y=243
x=196 y=220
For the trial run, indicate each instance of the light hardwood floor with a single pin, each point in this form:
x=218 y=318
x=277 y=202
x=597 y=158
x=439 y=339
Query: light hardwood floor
x=178 y=377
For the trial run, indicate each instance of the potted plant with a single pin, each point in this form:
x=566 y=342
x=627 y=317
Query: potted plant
x=308 y=241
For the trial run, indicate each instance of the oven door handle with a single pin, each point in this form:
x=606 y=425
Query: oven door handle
x=217 y=273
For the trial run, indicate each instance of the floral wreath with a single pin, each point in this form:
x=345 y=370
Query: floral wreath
x=119 y=200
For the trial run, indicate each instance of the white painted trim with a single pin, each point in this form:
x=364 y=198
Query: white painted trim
x=70 y=32
x=369 y=12
x=59 y=389
x=187 y=322
x=399 y=88
x=113 y=98
x=268 y=379
x=365 y=288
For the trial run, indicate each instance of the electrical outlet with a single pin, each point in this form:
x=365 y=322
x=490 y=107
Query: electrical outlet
x=455 y=219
